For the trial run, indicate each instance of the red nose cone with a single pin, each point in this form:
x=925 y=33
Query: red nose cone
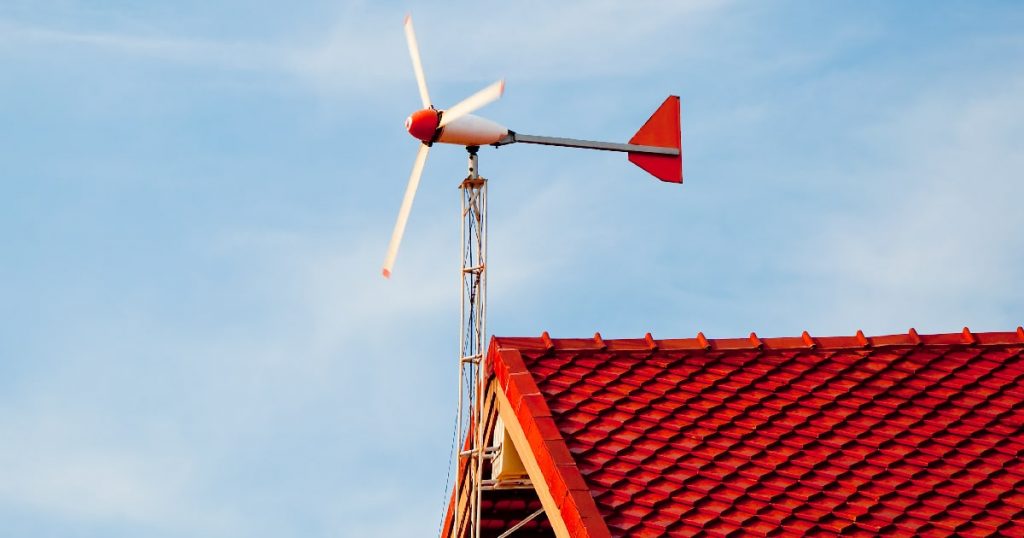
x=422 y=124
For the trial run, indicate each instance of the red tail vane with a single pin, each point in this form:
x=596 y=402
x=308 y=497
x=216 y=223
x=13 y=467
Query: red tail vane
x=662 y=129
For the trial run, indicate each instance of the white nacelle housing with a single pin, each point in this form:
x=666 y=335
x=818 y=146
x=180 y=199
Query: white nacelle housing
x=470 y=130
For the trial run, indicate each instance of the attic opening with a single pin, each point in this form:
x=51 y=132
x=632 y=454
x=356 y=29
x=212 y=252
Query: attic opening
x=507 y=469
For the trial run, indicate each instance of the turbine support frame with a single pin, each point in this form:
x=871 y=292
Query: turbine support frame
x=472 y=335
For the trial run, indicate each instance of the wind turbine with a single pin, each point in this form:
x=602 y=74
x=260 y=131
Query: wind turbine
x=656 y=147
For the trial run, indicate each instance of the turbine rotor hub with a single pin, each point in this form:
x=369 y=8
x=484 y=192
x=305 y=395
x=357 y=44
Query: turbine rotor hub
x=422 y=124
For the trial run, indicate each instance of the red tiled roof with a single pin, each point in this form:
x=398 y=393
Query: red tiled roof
x=895 y=435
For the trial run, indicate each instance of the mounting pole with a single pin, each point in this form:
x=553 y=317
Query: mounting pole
x=473 y=331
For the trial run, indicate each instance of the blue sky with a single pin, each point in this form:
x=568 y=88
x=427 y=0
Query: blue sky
x=195 y=199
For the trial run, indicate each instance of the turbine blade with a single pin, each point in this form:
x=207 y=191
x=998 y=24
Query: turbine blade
x=417 y=65
x=473 y=102
x=403 y=212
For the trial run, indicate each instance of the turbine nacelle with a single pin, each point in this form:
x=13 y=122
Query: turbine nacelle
x=467 y=130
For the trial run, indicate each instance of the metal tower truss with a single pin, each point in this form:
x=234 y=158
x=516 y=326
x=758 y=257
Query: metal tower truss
x=472 y=334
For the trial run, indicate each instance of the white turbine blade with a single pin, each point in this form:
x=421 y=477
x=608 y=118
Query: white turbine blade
x=417 y=65
x=473 y=102
x=403 y=212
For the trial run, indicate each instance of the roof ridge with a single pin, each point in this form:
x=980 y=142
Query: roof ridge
x=804 y=341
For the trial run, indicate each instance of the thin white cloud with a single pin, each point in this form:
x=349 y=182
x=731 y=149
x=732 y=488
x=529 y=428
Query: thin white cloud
x=228 y=55
x=57 y=462
x=938 y=234
x=364 y=48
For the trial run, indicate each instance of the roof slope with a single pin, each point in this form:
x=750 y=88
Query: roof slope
x=904 y=434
